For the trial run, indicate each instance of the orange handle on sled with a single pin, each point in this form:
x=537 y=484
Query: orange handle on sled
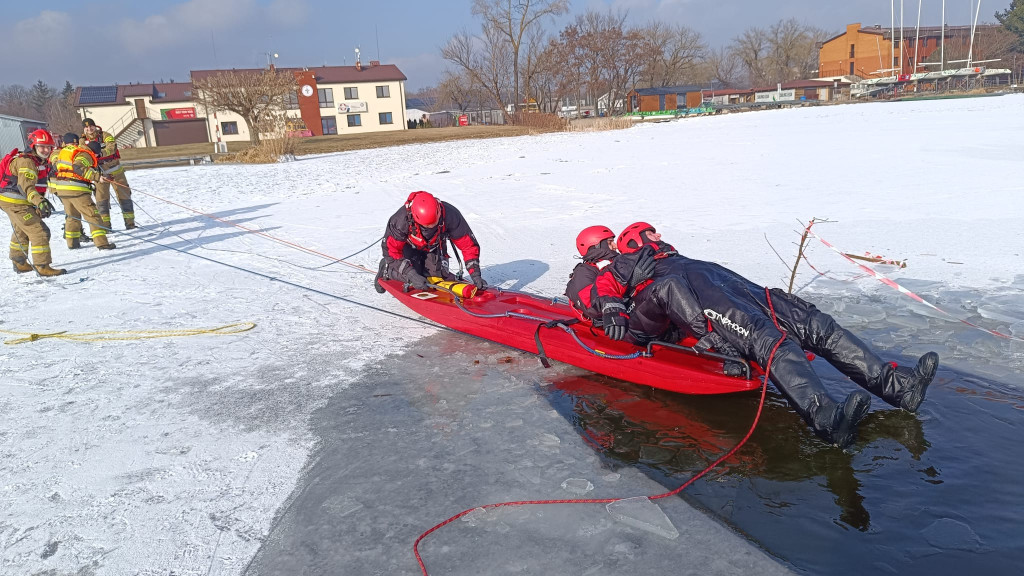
x=460 y=289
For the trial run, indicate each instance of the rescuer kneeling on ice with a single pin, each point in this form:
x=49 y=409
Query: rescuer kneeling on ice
x=735 y=316
x=414 y=243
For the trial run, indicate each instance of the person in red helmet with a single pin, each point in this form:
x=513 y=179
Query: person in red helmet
x=729 y=312
x=596 y=245
x=415 y=240
x=26 y=207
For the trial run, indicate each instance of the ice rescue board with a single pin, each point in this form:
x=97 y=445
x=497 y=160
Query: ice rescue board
x=548 y=328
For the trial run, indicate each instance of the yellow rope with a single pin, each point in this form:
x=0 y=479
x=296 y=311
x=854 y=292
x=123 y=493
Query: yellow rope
x=115 y=335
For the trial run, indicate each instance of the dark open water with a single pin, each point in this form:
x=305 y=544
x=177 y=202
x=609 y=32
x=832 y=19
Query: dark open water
x=939 y=492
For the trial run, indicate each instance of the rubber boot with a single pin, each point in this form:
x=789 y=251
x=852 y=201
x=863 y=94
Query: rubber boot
x=913 y=384
x=129 y=224
x=107 y=246
x=74 y=243
x=46 y=270
x=382 y=274
x=22 y=266
x=837 y=422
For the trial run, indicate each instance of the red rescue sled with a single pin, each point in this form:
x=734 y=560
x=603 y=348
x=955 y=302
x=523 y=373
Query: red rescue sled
x=522 y=320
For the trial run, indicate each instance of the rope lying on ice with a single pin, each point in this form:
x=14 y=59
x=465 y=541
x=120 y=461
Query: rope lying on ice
x=122 y=335
x=694 y=478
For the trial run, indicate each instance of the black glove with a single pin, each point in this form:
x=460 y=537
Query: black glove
x=716 y=341
x=732 y=368
x=404 y=270
x=644 y=269
x=615 y=321
x=45 y=208
x=473 y=267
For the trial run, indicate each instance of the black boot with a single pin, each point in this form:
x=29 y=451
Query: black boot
x=382 y=274
x=914 y=383
x=837 y=423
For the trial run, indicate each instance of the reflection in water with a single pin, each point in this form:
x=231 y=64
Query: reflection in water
x=675 y=436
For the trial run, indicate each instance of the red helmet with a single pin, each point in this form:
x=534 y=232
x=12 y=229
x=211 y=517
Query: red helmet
x=631 y=239
x=592 y=236
x=40 y=138
x=425 y=209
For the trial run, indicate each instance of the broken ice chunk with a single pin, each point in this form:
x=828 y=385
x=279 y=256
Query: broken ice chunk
x=578 y=486
x=641 y=513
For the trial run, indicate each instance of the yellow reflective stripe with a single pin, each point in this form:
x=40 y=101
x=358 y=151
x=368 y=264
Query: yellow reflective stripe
x=29 y=173
x=98 y=232
x=40 y=249
x=16 y=246
x=70 y=234
x=14 y=200
x=65 y=185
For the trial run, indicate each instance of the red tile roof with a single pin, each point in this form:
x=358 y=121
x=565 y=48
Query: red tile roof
x=326 y=74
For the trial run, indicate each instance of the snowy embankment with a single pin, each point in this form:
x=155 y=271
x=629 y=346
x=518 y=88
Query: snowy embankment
x=149 y=456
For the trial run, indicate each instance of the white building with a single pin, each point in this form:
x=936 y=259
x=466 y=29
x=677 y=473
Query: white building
x=143 y=115
x=330 y=100
x=14 y=132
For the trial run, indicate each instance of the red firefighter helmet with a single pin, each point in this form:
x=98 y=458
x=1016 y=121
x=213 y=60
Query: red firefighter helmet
x=425 y=209
x=592 y=236
x=631 y=239
x=40 y=138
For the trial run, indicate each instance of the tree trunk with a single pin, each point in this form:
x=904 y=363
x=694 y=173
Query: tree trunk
x=254 y=134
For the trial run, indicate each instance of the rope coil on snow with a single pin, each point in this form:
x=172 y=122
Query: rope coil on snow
x=123 y=335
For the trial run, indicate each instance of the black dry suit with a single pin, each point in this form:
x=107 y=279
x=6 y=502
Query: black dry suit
x=704 y=298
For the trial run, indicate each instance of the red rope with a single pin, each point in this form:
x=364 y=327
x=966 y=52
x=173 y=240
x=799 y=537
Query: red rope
x=710 y=467
x=247 y=229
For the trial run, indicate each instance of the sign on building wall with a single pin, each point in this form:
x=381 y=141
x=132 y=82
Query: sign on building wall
x=775 y=96
x=347 y=107
x=177 y=113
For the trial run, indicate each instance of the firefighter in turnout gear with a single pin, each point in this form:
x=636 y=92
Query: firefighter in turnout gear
x=414 y=243
x=113 y=175
x=735 y=316
x=75 y=170
x=26 y=207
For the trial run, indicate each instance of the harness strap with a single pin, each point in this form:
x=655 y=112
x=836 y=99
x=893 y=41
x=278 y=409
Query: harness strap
x=564 y=324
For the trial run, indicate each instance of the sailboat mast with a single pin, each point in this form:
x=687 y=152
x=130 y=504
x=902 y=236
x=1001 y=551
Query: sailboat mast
x=892 y=35
x=901 y=37
x=917 y=37
x=974 y=26
x=942 y=41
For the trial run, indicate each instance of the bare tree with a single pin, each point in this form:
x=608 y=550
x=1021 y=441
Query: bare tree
x=751 y=48
x=259 y=97
x=723 y=66
x=459 y=90
x=787 y=50
x=675 y=54
x=486 y=61
x=513 y=20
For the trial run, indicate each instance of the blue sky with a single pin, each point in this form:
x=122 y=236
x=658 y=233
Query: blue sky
x=137 y=41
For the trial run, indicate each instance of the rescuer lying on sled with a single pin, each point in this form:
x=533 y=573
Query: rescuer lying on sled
x=725 y=311
x=596 y=245
x=414 y=243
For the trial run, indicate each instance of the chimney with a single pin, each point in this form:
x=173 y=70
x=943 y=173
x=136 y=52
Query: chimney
x=358 y=65
x=374 y=63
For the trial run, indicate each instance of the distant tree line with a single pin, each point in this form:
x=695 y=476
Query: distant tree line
x=42 y=102
x=517 y=57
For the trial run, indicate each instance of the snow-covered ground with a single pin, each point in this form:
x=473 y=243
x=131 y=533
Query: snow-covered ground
x=174 y=455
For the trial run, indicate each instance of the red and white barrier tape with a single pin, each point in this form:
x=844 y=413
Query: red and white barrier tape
x=888 y=282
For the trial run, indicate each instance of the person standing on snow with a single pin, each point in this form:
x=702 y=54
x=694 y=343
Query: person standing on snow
x=75 y=170
x=113 y=172
x=414 y=243
x=26 y=207
x=596 y=245
x=705 y=299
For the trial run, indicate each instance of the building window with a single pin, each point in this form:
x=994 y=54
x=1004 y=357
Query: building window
x=326 y=97
x=852 y=47
x=851 y=68
x=354 y=120
x=351 y=93
x=291 y=100
x=383 y=92
x=385 y=118
x=227 y=128
x=329 y=125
